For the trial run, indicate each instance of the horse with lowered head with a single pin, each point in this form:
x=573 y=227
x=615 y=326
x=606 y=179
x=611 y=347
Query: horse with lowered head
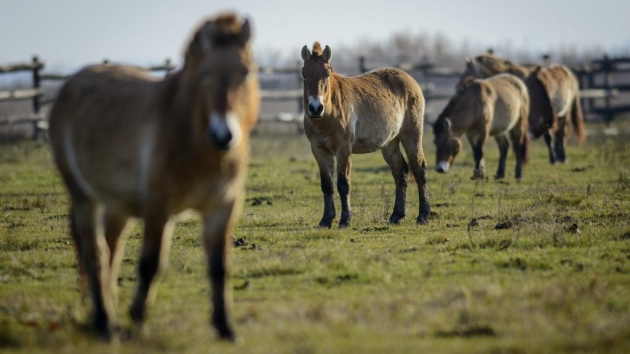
x=497 y=106
x=130 y=146
x=379 y=110
x=554 y=99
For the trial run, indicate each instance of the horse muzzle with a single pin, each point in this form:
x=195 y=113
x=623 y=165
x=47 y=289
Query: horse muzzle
x=315 y=111
x=224 y=131
x=442 y=167
x=315 y=107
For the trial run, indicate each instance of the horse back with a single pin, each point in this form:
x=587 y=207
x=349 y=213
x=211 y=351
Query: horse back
x=505 y=96
x=387 y=94
x=561 y=86
x=103 y=127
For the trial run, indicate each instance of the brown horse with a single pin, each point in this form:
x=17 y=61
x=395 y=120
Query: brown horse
x=379 y=110
x=482 y=108
x=554 y=95
x=128 y=145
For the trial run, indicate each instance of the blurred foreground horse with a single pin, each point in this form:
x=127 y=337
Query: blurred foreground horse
x=379 y=110
x=128 y=145
x=554 y=99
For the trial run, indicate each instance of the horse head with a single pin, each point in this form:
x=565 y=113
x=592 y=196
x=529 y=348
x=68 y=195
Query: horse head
x=447 y=147
x=221 y=80
x=316 y=74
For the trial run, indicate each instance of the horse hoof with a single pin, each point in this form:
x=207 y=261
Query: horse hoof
x=395 y=219
x=422 y=220
x=343 y=225
x=498 y=176
x=137 y=314
x=228 y=335
x=323 y=226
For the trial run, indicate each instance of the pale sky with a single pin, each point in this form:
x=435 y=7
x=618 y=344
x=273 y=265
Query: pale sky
x=72 y=33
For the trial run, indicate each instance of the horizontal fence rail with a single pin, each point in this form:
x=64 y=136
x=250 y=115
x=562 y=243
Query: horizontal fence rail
x=593 y=90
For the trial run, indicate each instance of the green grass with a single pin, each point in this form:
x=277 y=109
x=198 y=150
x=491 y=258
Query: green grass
x=516 y=279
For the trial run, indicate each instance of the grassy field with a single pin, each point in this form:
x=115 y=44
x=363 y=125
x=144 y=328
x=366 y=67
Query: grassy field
x=500 y=268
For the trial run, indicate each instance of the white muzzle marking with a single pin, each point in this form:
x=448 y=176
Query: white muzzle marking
x=316 y=103
x=225 y=128
x=442 y=165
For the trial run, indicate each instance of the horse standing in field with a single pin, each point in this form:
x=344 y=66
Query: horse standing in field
x=379 y=110
x=481 y=108
x=554 y=96
x=128 y=145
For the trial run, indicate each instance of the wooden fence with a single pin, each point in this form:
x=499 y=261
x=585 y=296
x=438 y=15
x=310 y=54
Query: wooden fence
x=592 y=90
x=597 y=80
x=37 y=95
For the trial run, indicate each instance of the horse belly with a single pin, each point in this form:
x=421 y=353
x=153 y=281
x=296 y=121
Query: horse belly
x=372 y=133
x=503 y=120
x=110 y=169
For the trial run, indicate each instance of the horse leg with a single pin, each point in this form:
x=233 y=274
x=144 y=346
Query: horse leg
x=114 y=226
x=478 y=142
x=552 y=155
x=504 y=146
x=559 y=139
x=344 y=172
x=517 y=146
x=93 y=258
x=155 y=249
x=325 y=162
x=216 y=227
x=418 y=164
x=397 y=164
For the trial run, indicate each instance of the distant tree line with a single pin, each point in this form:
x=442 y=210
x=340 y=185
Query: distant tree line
x=436 y=48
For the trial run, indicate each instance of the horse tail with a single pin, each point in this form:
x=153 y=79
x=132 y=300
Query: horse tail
x=525 y=147
x=577 y=119
x=525 y=134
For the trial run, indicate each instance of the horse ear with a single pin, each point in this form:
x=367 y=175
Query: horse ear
x=468 y=61
x=246 y=32
x=327 y=54
x=306 y=54
x=204 y=36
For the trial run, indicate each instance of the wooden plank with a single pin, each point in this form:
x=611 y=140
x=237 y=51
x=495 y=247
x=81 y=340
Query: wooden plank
x=18 y=95
x=598 y=93
x=26 y=118
x=281 y=117
x=280 y=94
x=275 y=70
x=51 y=76
x=20 y=67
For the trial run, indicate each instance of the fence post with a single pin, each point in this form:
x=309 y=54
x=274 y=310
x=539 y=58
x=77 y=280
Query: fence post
x=590 y=83
x=608 y=117
x=300 y=100
x=37 y=133
x=362 y=67
x=167 y=66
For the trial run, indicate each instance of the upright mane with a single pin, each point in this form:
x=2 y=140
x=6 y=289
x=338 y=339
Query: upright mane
x=495 y=64
x=317 y=49
x=221 y=31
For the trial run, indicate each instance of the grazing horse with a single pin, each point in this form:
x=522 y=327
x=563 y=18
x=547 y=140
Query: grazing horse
x=482 y=108
x=129 y=145
x=554 y=95
x=379 y=110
